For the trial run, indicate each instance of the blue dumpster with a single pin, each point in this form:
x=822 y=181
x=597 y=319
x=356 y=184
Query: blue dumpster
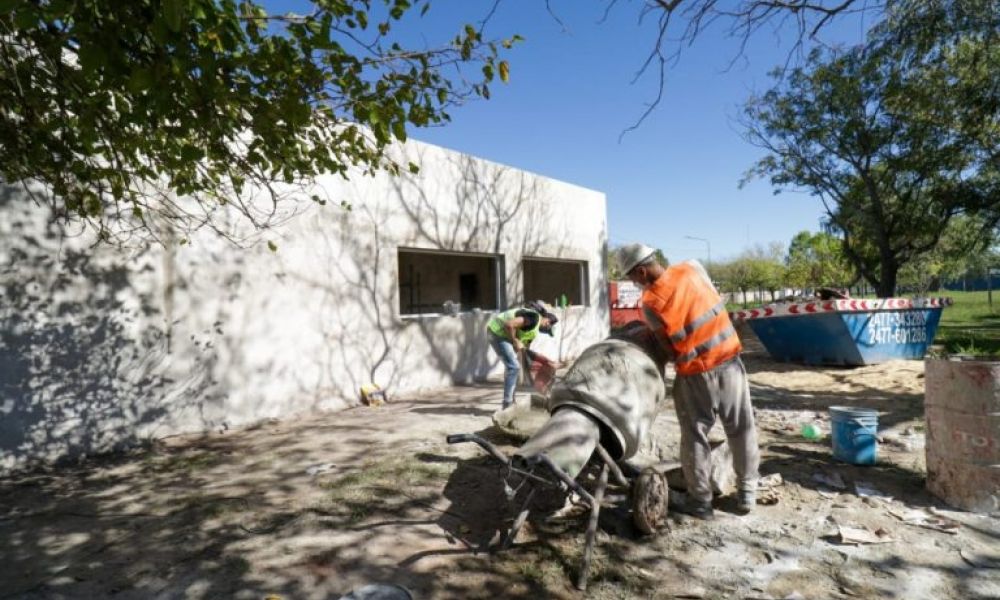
x=846 y=332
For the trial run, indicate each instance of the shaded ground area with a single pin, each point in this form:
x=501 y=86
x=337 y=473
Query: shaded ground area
x=314 y=507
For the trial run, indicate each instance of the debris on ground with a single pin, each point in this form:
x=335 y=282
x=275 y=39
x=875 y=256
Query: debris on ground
x=867 y=490
x=372 y=395
x=858 y=536
x=831 y=480
x=772 y=480
x=927 y=520
x=769 y=496
x=768 y=493
x=320 y=469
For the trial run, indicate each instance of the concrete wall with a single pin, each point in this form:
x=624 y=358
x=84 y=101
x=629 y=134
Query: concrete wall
x=102 y=349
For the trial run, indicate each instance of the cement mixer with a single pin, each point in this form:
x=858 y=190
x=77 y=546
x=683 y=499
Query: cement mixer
x=601 y=413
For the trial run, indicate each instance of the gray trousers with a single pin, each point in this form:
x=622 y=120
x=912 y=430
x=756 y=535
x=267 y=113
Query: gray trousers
x=699 y=399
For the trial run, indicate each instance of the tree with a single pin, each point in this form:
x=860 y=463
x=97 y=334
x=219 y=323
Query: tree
x=736 y=276
x=142 y=114
x=816 y=259
x=680 y=22
x=895 y=138
x=962 y=249
x=756 y=269
x=767 y=271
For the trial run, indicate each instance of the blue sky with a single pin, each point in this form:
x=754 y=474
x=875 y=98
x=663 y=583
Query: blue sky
x=571 y=95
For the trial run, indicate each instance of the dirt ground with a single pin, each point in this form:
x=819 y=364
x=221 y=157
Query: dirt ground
x=318 y=506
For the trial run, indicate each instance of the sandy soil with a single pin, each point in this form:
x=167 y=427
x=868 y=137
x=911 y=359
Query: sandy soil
x=315 y=507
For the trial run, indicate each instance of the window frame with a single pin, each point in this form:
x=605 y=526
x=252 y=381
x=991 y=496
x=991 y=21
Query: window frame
x=582 y=265
x=499 y=277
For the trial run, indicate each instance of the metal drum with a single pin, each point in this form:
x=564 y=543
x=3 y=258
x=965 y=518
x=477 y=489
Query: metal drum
x=619 y=385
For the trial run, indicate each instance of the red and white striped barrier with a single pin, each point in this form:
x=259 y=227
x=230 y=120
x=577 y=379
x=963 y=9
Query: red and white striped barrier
x=848 y=305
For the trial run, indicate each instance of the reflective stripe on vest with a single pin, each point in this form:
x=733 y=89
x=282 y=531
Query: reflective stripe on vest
x=705 y=318
x=687 y=314
x=495 y=325
x=707 y=345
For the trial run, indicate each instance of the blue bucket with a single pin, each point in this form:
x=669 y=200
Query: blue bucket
x=854 y=432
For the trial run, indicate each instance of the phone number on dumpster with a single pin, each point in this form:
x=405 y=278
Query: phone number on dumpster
x=897 y=328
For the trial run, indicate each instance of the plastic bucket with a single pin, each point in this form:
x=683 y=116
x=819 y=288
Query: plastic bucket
x=854 y=431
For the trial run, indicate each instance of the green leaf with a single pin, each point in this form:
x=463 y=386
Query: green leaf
x=92 y=58
x=26 y=17
x=414 y=168
x=190 y=152
x=140 y=80
x=272 y=246
x=504 y=70
x=173 y=13
x=399 y=130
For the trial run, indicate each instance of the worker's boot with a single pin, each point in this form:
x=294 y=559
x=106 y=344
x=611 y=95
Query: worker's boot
x=693 y=508
x=745 y=502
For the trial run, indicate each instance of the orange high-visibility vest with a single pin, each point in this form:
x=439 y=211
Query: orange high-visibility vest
x=684 y=310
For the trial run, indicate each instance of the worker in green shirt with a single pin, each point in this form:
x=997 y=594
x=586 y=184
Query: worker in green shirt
x=511 y=332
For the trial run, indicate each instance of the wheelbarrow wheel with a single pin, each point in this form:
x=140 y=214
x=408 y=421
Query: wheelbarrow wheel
x=650 y=495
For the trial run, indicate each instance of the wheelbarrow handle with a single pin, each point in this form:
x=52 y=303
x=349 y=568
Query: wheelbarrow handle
x=458 y=438
x=569 y=482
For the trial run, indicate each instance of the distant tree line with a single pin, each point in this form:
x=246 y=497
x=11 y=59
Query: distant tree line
x=816 y=260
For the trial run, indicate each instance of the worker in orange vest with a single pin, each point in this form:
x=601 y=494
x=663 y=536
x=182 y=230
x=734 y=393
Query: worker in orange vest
x=689 y=319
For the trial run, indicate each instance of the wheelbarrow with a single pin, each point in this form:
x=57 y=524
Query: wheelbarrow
x=601 y=412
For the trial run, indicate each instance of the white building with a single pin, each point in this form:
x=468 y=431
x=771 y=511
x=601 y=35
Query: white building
x=100 y=349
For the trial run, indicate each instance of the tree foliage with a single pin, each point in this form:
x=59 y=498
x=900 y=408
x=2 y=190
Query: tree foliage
x=759 y=268
x=966 y=247
x=817 y=260
x=139 y=114
x=896 y=137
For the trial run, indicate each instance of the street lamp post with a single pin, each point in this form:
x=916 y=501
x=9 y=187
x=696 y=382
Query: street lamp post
x=708 y=245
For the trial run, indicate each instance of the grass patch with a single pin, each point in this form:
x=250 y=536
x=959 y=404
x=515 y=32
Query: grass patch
x=541 y=565
x=969 y=326
x=378 y=484
x=182 y=462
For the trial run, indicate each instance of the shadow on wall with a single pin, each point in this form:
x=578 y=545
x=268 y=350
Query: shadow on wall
x=495 y=210
x=82 y=371
x=463 y=205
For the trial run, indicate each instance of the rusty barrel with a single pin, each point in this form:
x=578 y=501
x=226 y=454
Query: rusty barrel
x=962 y=409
